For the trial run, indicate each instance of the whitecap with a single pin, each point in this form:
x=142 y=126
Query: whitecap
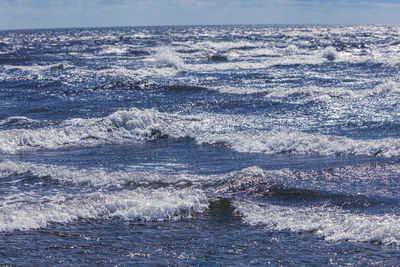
x=19 y=121
x=113 y=50
x=385 y=88
x=331 y=224
x=158 y=204
x=136 y=125
x=167 y=56
x=94 y=177
x=330 y=53
x=271 y=142
x=121 y=126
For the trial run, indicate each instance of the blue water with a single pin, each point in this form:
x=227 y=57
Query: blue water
x=200 y=145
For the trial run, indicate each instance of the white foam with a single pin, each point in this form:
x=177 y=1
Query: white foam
x=240 y=90
x=144 y=73
x=136 y=125
x=94 y=177
x=313 y=92
x=331 y=224
x=168 y=57
x=118 y=50
x=291 y=49
x=260 y=57
x=258 y=64
x=160 y=204
x=302 y=143
x=224 y=46
x=330 y=53
x=139 y=35
x=382 y=90
x=121 y=126
x=19 y=120
x=385 y=88
x=387 y=57
x=255 y=182
x=35 y=69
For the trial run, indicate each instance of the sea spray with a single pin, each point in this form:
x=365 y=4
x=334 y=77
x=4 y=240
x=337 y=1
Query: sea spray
x=167 y=56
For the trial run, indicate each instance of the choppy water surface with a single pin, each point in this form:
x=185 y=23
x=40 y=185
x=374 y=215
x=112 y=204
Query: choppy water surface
x=228 y=145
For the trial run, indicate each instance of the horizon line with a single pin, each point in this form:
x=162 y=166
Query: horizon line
x=199 y=25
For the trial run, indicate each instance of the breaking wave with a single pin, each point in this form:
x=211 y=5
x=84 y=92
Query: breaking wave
x=333 y=186
x=157 y=204
x=19 y=122
x=136 y=125
x=121 y=126
x=95 y=177
x=168 y=57
x=331 y=224
x=304 y=143
x=330 y=53
x=114 y=50
x=127 y=84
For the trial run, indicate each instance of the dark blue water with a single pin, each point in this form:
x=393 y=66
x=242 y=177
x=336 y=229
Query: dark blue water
x=206 y=145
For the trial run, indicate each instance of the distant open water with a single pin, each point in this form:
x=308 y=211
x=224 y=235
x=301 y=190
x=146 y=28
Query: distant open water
x=228 y=145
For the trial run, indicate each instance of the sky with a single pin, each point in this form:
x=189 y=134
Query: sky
x=33 y=14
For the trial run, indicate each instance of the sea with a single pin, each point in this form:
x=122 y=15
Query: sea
x=275 y=145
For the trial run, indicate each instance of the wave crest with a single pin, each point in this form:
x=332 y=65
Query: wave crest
x=332 y=224
x=120 y=126
x=330 y=53
x=159 y=204
x=136 y=125
x=168 y=57
x=303 y=143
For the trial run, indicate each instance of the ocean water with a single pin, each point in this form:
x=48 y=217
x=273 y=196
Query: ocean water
x=201 y=145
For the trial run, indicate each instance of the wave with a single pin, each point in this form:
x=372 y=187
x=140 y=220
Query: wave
x=225 y=46
x=138 y=52
x=185 y=87
x=218 y=57
x=14 y=57
x=225 y=89
x=291 y=55
x=316 y=93
x=96 y=177
x=331 y=184
x=19 y=122
x=255 y=183
x=271 y=142
x=163 y=197
x=345 y=187
x=330 y=53
x=331 y=224
x=385 y=89
x=39 y=69
x=122 y=50
x=311 y=93
x=136 y=125
x=168 y=57
x=121 y=126
x=141 y=84
x=114 y=50
x=156 y=204
x=127 y=84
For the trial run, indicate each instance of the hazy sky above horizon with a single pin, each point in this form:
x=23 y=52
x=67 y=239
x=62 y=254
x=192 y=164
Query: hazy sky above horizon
x=24 y=14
